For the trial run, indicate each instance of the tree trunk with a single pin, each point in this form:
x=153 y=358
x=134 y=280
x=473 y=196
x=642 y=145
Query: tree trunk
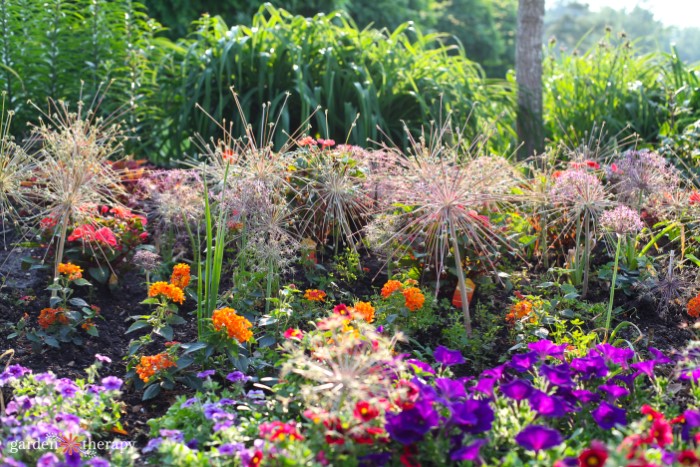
x=528 y=73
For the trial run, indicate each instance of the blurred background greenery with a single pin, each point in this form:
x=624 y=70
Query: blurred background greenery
x=393 y=62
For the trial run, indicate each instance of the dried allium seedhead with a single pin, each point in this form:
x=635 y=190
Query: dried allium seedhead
x=173 y=196
x=576 y=187
x=380 y=232
x=671 y=288
x=146 y=260
x=637 y=174
x=270 y=242
x=621 y=220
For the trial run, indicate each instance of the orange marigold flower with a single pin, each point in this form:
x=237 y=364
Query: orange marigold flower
x=694 y=306
x=519 y=310
x=237 y=327
x=167 y=290
x=365 y=310
x=87 y=325
x=315 y=295
x=414 y=298
x=49 y=316
x=71 y=271
x=390 y=287
x=181 y=275
x=150 y=365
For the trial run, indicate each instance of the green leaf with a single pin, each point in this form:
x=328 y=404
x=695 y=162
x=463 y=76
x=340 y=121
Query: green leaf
x=49 y=340
x=150 y=301
x=166 y=332
x=81 y=282
x=151 y=391
x=92 y=330
x=79 y=302
x=266 y=341
x=101 y=275
x=189 y=348
x=137 y=325
x=184 y=361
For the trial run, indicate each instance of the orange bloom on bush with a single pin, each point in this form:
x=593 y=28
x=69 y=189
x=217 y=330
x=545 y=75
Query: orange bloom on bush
x=694 y=306
x=71 y=271
x=365 y=310
x=390 y=287
x=49 y=316
x=167 y=290
x=315 y=295
x=181 y=275
x=150 y=365
x=414 y=298
x=237 y=327
x=519 y=310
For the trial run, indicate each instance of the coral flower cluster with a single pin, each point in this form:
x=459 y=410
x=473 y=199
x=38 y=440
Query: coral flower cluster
x=71 y=271
x=412 y=295
x=315 y=295
x=236 y=326
x=181 y=275
x=365 y=310
x=519 y=310
x=50 y=316
x=694 y=307
x=150 y=365
x=167 y=290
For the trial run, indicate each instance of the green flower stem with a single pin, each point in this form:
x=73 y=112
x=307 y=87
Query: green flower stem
x=612 y=288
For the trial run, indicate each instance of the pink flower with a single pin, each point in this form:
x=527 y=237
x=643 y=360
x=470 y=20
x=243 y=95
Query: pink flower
x=292 y=333
x=326 y=143
x=105 y=235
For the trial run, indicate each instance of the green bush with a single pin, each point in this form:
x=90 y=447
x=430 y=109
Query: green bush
x=327 y=62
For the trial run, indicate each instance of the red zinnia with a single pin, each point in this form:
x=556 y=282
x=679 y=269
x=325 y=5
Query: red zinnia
x=688 y=457
x=650 y=412
x=661 y=432
x=292 y=333
x=595 y=456
x=364 y=411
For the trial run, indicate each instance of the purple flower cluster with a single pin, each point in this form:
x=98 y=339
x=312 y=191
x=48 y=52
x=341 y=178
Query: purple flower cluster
x=621 y=220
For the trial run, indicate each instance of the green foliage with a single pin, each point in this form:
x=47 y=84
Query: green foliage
x=327 y=62
x=72 y=50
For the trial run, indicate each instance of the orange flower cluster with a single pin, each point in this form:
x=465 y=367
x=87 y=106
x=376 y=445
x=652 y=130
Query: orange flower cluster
x=49 y=316
x=237 y=327
x=414 y=298
x=181 y=275
x=315 y=295
x=390 y=287
x=519 y=310
x=167 y=290
x=694 y=307
x=87 y=325
x=71 y=271
x=150 y=365
x=365 y=310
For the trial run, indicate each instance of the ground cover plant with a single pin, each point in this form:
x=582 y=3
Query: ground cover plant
x=285 y=297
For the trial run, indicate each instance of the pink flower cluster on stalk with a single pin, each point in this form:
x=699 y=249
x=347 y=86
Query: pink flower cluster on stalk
x=575 y=186
x=640 y=173
x=621 y=220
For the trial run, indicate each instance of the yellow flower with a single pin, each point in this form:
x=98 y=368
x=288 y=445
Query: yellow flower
x=237 y=327
x=365 y=310
x=71 y=271
x=181 y=275
x=414 y=298
x=167 y=290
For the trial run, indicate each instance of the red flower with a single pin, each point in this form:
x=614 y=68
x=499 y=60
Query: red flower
x=334 y=431
x=592 y=164
x=365 y=412
x=256 y=459
x=105 y=235
x=143 y=236
x=342 y=310
x=650 y=412
x=694 y=198
x=104 y=209
x=326 y=143
x=48 y=223
x=614 y=168
x=292 y=333
x=595 y=456
x=661 y=432
x=688 y=457
x=307 y=141
x=84 y=232
x=408 y=394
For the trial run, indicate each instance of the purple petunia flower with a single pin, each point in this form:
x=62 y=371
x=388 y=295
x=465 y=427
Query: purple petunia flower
x=418 y=366
x=485 y=386
x=646 y=368
x=614 y=391
x=230 y=449
x=48 y=460
x=495 y=372
x=448 y=357
x=614 y=354
x=98 y=462
x=66 y=387
x=546 y=348
x=237 y=377
x=189 y=402
x=691 y=419
x=591 y=366
x=450 y=389
x=546 y=405
x=102 y=358
x=659 y=357
x=473 y=416
x=559 y=375
x=517 y=389
x=585 y=396
x=410 y=426
x=206 y=374
x=537 y=438
x=469 y=452
x=523 y=362
x=192 y=444
x=607 y=416
x=153 y=445
x=12 y=373
x=174 y=435
x=379 y=459
x=112 y=383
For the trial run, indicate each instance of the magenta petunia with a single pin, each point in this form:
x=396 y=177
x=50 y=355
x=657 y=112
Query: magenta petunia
x=537 y=438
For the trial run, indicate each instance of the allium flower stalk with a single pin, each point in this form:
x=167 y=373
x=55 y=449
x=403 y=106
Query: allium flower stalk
x=638 y=174
x=581 y=198
x=622 y=221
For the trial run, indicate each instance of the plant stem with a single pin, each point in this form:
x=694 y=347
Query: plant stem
x=462 y=283
x=59 y=251
x=612 y=289
x=587 y=254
